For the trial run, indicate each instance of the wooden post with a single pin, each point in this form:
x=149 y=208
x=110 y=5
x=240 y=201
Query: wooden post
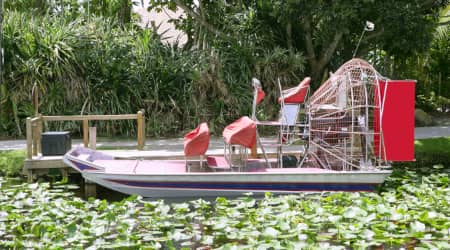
x=30 y=177
x=29 y=139
x=34 y=129
x=140 y=130
x=90 y=189
x=35 y=96
x=40 y=128
x=143 y=129
x=64 y=174
x=86 y=133
x=92 y=137
x=254 y=152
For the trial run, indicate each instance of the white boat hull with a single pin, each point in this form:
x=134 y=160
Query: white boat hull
x=169 y=178
x=236 y=183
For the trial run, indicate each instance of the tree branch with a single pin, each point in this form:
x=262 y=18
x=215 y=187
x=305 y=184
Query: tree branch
x=328 y=53
x=306 y=24
x=427 y=4
x=200 y=19
x=289 y=36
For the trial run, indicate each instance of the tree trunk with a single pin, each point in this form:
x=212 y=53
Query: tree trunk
x=318 y=61
x=289 y=37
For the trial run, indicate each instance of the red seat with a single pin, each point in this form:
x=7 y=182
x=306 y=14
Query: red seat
x=241 y=132
x=196 y=142
x=260 y=96
x=297 y=94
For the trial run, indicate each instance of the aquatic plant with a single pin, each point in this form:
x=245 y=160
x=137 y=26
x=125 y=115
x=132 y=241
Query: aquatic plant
x=414 y=214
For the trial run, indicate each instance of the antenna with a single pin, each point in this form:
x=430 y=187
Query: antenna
x=369 y=27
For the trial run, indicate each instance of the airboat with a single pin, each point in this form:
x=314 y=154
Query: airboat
x=350 y=130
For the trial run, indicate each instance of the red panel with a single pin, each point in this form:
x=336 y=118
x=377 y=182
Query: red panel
x=397 y=120
x=260 y=96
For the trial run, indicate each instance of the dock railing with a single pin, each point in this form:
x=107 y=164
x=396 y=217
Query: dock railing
x=34 y=128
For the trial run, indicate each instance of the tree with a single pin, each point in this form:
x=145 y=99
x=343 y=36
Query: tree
x=325 y=31
x=119 y=9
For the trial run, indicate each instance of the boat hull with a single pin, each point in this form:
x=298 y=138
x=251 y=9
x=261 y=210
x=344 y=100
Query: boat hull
x=233 y=184
x=170 y=178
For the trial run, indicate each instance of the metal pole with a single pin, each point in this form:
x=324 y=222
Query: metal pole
x=357 y=45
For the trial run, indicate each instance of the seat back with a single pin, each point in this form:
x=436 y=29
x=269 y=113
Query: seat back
x=297 y=94
x=258 y=95
x=196 y=142
x=289 y=114
x=241 y=132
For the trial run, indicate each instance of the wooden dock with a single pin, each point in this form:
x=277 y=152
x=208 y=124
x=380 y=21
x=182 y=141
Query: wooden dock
x=40 y=165
x=36 y=164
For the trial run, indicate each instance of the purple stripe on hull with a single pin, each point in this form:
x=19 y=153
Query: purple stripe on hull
x=81 y=166
x=285 y=187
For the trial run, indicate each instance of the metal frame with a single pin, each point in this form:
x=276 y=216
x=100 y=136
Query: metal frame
x=342 y=116
x=290 y=129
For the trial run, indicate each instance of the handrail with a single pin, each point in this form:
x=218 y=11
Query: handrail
x=34 y=128
x=89 y=117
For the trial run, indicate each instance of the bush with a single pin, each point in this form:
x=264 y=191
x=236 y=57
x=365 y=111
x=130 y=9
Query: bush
x=11 y=162
x=422 y=118
x=96 y=66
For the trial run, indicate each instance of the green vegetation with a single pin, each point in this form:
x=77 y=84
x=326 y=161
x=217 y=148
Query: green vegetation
x=411 y=43
x=413 y=214
x=100 y=62
x=412 y=209
x=98 y=67
x=11 y=162
x=428 y=152
x=422 y=119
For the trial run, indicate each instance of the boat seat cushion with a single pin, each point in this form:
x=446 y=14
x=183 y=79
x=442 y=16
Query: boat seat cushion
x=297 y=94
x=241 y=132
x=196 y=142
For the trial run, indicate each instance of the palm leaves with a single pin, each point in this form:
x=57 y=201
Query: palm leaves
x=97 y=66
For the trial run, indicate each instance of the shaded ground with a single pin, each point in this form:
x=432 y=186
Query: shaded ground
x=441 y=119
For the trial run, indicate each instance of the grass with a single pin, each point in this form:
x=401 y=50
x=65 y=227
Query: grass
x=11 y=162
x=437 y=145
x=428 y=153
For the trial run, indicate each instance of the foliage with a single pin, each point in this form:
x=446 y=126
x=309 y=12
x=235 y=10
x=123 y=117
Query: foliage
x=100 y=64
x=120 y=10
x=325 y=31
x=11 y=162
x=431 y=69
x=94 y=68
x=428 y=152
x=422 y=118
x=98 y=67
x=432 y=102
x=411 y=210
x=414 y=214
x=43 y=51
